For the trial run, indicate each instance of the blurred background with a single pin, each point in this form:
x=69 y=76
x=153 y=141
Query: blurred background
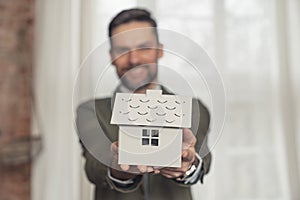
x=254 y=43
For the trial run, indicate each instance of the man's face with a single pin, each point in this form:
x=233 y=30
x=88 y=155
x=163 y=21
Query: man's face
x=135 y=53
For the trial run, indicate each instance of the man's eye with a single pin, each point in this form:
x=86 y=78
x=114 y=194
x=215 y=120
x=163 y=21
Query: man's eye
x=122 y=51
x=144 y=49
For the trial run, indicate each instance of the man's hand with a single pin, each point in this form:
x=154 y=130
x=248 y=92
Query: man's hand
x=188 y=157
x=125 y=171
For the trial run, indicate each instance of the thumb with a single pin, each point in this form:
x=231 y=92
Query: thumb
x=114 y=147
x=188 y=139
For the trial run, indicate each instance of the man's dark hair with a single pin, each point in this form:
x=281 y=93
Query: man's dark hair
x=130 y=15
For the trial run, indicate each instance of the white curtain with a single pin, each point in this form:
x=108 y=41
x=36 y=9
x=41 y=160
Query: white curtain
x=55 y=172
x=293 y=8
x=288 y=31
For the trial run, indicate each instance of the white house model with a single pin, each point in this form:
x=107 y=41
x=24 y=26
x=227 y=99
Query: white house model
x=150 y=127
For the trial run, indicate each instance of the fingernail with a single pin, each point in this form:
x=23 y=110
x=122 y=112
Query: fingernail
x=125 y=167
x=144 y=168
x=149 y=169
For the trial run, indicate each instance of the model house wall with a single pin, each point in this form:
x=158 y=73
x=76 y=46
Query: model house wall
x=140 y=148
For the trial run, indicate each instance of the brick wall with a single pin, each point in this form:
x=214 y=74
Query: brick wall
x=16 y=45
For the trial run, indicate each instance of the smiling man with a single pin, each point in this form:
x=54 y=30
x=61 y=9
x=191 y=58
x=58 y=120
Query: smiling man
x=135 y=52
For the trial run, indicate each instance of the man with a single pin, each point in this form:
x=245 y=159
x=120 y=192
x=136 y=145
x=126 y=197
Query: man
x=135 y=51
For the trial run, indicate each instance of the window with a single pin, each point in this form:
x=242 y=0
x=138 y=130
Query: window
x=150 y=139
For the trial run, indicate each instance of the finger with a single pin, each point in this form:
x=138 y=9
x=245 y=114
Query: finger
x=170 y=174
x=184 y=167
x=124 y=167
x=142 y=168
x=114 y=150
x=173 y=170
x=166 y=173
x=184 y=154
x=188 y=155
x=150 y=169
x=157 y=167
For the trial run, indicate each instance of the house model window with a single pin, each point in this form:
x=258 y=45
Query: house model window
x=150 y=137
x=150 y=127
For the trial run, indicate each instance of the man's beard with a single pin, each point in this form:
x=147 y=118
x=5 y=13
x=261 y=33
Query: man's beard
x=133 y=86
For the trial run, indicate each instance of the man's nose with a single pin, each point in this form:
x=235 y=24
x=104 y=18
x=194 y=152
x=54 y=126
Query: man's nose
x=134 y=57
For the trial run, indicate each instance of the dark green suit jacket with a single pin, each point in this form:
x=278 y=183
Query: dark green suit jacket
x=93 y=119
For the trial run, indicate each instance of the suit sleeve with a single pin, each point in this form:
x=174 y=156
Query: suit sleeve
x=200 y=126
x=88 y=130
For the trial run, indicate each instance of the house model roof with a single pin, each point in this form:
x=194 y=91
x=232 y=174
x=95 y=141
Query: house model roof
x=152 y=109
